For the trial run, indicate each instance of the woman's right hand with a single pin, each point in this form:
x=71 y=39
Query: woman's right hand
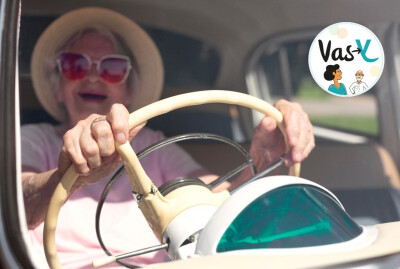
x=90 y=146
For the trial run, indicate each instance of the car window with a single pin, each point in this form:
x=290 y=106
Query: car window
x=281 y=70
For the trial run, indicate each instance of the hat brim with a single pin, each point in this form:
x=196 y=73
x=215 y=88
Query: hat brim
x=145 y=52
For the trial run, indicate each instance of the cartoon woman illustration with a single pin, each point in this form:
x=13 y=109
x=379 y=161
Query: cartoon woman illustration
x=333 y=72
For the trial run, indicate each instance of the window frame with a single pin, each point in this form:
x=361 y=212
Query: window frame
x=13 y=248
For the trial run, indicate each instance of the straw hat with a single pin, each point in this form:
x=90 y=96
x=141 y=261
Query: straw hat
x=145 y=52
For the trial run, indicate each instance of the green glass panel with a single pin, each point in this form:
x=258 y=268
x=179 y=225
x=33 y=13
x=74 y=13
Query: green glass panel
x=289 y=217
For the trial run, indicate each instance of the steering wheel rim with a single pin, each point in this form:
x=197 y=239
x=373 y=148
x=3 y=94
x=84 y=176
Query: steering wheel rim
x=140 y=182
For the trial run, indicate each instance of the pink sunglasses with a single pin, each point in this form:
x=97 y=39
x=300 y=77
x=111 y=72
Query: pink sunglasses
x=111 y=68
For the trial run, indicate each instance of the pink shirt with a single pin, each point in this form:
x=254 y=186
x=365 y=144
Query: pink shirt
x=123 y=227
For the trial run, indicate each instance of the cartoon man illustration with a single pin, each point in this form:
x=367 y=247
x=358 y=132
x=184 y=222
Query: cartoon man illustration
x=358 y=86
x=334 y=73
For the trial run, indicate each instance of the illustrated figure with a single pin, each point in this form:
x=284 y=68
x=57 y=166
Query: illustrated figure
x=334 y=73
x=358 y=86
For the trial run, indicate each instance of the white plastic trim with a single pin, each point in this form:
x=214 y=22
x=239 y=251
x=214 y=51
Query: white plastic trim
x=211 y=234
x=189 y=222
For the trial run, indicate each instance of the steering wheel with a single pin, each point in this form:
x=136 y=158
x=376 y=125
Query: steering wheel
x=172 y=185
x=158 y=210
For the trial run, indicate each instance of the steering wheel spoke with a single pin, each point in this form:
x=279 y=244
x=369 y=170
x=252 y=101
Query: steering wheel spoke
x=263 y=173
x=232 y=173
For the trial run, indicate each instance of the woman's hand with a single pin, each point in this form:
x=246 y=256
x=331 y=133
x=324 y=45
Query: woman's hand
x=268 y=142
x=90 y=145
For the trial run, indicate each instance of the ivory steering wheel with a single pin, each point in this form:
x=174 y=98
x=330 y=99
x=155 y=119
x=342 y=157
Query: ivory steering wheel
x=139 y=180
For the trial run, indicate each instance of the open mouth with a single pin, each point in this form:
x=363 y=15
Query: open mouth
x=91 y=97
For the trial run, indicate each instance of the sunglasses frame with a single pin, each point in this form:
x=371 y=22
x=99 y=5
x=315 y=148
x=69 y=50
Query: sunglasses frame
x=97 y=63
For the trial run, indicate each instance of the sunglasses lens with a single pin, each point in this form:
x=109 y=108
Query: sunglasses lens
x=114 y=69
x=74 y=66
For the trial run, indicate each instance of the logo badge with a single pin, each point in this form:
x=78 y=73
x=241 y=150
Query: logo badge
x=346 y=59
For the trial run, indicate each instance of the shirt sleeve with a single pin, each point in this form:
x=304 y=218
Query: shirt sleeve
x=38 y=149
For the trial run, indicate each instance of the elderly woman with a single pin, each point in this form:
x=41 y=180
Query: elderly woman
x=93 y=64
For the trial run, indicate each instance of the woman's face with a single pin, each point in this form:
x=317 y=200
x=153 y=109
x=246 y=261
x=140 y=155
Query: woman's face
x=89 y=95
x=338 y=74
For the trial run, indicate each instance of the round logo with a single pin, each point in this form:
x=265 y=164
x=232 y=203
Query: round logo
x=346 y=59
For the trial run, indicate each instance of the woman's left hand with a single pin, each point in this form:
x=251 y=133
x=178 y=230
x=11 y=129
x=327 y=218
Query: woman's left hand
x=268 y=142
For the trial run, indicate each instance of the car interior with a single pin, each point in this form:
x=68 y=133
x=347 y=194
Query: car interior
x=261 y=48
